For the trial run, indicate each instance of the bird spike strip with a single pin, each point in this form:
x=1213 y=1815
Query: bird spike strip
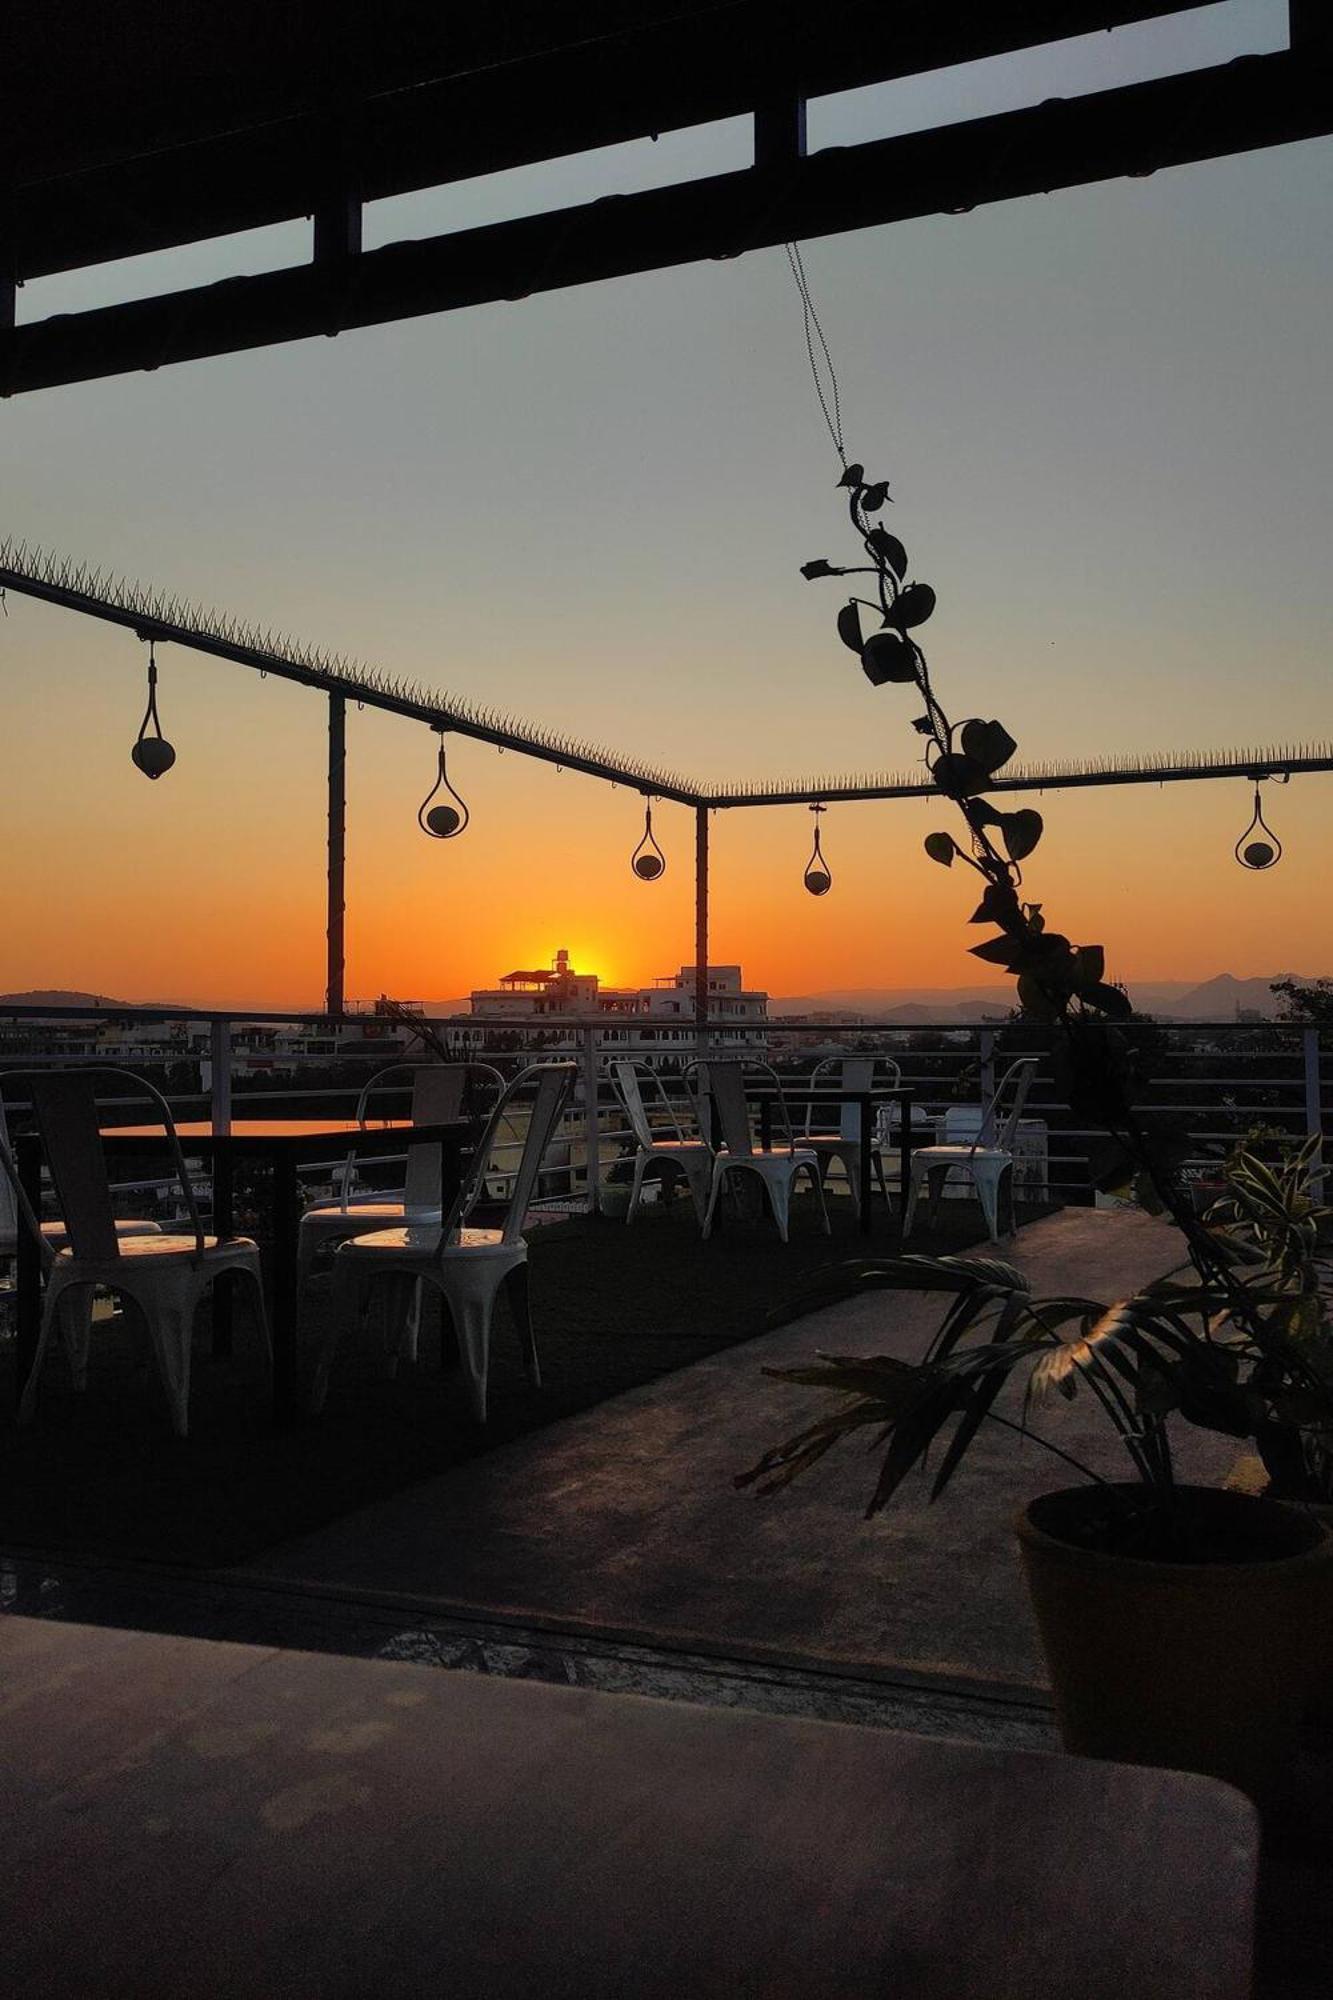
x=83 y=588
x=100 y=593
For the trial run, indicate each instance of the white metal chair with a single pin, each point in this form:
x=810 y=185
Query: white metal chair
x=668 y=1156
x=775 y=1171
x=53 y=1235
x=843 y=1147
x=438 y=1093
x=467 y=1265
x=165 y=1275
x=987 y=1160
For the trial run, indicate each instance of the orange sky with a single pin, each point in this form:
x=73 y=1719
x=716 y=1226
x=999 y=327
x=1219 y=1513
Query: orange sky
x=1106 y=418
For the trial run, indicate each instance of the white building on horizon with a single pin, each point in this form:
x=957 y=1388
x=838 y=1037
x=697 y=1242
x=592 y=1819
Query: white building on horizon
x=643 y=1019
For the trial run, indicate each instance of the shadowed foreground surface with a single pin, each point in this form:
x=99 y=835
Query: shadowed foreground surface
x=614 y=1308
x=626 y=1518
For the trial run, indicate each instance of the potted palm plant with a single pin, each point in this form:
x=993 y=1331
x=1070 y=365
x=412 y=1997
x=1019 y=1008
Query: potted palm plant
x=1181 y=1624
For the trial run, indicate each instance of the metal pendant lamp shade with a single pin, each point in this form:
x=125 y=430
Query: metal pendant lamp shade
x=442 y=814
x=152 y=753
x=818 y=876
x=1258 y=847
x=648 y=860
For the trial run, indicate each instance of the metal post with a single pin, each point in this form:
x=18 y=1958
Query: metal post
x=334 y=996
x=1314 y=1107
x=701 y=929
x=986 y=1077
x=591 y=1117
x=220 y=1081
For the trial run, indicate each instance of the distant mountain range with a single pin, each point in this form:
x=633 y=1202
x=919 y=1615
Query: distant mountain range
x=1173 y=999
x=1215 y=999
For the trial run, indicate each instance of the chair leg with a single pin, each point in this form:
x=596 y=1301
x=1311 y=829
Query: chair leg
x=936 y=1177
x=714 y=1195
x=170 y=1325
x=641 y=1163
x=28 y=1404
x=877 y=1163
x=75 y=1314
x=520 y=1305
x=913 y=1196
x=779 y=1195
x=823 y=1205
x=401 y=1304
x=472 y=1316
x=697 y=1175
x=343 y=1314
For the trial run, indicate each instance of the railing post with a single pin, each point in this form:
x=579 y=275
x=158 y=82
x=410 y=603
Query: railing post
x=334 y=998
x=1314 y=1105
x=987 y=1064
x=591 y=1117
x=220 y=1080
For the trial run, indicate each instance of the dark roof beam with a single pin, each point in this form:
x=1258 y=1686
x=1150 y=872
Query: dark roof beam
x=1256 y=101
x=655 y=76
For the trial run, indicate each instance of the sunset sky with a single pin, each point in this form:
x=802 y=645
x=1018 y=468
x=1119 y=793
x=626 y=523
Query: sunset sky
x=1106 y=416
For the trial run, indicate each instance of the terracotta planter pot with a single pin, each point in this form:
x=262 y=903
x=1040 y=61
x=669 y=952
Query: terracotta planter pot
x=1197 y=1666
x=1249 y=1475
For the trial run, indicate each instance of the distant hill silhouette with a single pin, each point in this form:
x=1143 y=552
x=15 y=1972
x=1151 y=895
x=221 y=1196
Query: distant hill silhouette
x=59 y=996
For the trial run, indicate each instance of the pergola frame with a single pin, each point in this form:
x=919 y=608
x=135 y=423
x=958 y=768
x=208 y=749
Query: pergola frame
x=152 y=615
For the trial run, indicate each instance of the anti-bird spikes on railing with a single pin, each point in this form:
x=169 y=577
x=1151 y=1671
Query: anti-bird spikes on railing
x=136 y=603
x=48 y=574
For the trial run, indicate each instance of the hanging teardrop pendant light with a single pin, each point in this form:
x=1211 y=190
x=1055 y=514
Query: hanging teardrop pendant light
x=648 y=860
x=448 y=815
x=1258 y=847
x=818 y=879
x=153 y=754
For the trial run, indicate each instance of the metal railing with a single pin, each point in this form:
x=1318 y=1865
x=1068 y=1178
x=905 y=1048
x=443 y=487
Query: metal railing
x=1226 y=1078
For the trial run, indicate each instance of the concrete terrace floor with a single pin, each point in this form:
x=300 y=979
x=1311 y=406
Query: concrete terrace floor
x=624 y=1520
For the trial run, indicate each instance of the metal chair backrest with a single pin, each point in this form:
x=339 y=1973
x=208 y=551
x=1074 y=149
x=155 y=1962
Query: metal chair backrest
x=554 y=1082
x=437 y=1099
x=628 y=1078
x=725 y=1082
x=999 y=1122
x=851 y=1073
x=439 y=1092
x=65 y=1103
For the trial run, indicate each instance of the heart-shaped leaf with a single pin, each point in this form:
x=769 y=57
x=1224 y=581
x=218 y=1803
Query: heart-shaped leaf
x=889 y=550
x=1005 y=951
x=886 y=656
x=997 y=904
x=913 y=606
x=849 y=627
x=1021 y=832
x=873 y=497
x=853 y=476
x=958 y=776
x=923 y=725
x=820 y=567
x=989 y=742
x=1109 y=1000
x=1089 y=965
x=980 y=814
x=941 y=847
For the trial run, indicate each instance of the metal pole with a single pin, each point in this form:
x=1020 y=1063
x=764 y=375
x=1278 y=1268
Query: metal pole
x=334 y=997
x=219 y=1093
x=591 y=1119
x=701 y=929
